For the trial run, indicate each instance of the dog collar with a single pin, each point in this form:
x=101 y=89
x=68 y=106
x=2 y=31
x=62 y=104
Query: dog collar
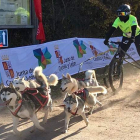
x=74 y=113
x=82 y=79
x=87 y=79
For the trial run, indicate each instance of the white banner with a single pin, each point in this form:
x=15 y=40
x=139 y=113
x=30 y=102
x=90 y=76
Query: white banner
x=59 y=57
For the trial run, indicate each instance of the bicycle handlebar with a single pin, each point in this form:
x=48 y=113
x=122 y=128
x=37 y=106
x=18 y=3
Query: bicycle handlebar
x=118 y=43
x=112 y=49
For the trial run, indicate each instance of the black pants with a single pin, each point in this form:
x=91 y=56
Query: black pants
x=125 y=44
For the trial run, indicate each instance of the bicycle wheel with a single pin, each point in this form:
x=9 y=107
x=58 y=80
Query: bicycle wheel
x=105 y=76
x=115 y=75
x=106 y=82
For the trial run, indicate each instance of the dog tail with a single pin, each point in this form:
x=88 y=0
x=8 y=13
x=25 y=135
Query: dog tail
x=90 y=74
x=40 y=77
x=53 y=80
x=97 y=89
x=37 y=71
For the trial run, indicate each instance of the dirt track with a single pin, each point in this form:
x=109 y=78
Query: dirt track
x=118 y=119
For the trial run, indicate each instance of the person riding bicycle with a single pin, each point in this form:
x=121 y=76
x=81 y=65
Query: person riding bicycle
x=129 y=26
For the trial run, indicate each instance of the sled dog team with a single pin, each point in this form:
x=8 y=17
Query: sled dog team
x=25 y=98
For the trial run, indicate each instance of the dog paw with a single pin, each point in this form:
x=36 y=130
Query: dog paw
x=51 y=109
x=17 y=133
x=32 y=131
x=87 y=122
x=43 y=130
x=100 y=105
x=44 y=121
x=65 y=131
x=90 y=113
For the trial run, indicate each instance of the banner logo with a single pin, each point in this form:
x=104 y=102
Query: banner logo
x=7 y=66
x=112 y=46
x=80 y=47
x=58 y=54
x=43 y=56
x=95 y=53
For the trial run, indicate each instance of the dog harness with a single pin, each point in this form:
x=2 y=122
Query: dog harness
x=81 y=93
x=17 y=109
x=33 y=92
x=82 y=79
x=73 y=113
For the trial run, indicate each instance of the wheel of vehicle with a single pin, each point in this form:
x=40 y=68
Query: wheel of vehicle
x=105 y=76
x=106 y=82
x=115 y=75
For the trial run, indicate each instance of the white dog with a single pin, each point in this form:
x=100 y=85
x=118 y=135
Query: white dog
x=90 y=80
x=71 y=86
x=26 y=105
x=73 y=105
x=41 y=81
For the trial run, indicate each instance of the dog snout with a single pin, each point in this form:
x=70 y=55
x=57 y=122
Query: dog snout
x=60 y=88
x=4 y=99
x=17 y=88
x=68 y=109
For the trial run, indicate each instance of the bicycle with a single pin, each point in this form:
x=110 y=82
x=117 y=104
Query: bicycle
x=113 y=73
x=115 y=69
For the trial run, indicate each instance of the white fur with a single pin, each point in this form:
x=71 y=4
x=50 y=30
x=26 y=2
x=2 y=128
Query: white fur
x=70 y=85
x=21 y=83
x=40 y=77
x=90 y=78
x=90 y=74
x=73 y=106
x=24 y=112
x=38 y=71
x=53 y=80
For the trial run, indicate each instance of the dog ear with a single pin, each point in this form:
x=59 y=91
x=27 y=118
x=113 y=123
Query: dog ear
x=63 y=76
x=22 y=78
x=17 y=77
x=73 y=95
x=11 y=85
x=1 y=86
x=68 y=76
x=66 y=95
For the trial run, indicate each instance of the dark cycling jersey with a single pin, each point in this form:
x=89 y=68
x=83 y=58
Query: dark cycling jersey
x=126 y=26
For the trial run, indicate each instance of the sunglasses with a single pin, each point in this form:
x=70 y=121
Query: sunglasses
x=122 y=13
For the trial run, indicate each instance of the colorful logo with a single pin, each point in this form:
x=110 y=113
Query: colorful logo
x=80 y=47
x=7 y=66
x=43 y=56
x=94 y=51
x=58 y=55
x=112 y=45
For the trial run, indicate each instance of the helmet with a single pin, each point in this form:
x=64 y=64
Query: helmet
x=124 y=10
